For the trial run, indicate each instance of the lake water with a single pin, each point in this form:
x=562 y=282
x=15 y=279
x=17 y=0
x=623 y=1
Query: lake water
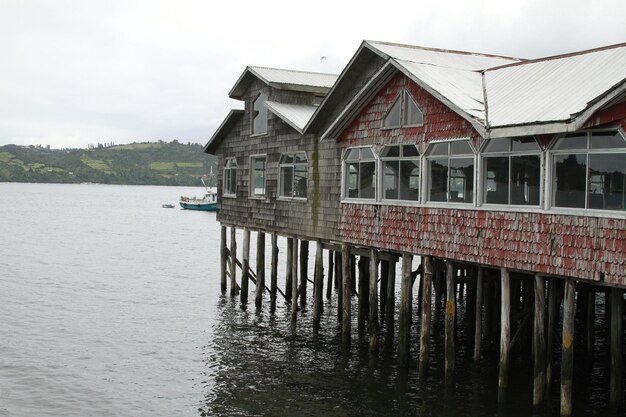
x=110 y=306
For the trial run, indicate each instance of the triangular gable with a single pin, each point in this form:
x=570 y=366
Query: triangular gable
x=223 y=130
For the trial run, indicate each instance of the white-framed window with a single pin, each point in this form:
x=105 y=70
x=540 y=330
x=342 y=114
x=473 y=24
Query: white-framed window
x=359 y=170
x=230 y=177
x=259 y=115
x=257 y=175
x=404 y=112
x=293 y=175
x=400 y=168
x=588 y=171
x=451 y=168
x=511 y=173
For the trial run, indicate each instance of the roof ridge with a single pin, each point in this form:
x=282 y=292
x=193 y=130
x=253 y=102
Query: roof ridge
x=291 y=70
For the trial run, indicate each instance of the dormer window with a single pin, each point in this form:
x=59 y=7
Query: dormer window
x=404 y=112
x=259 y=115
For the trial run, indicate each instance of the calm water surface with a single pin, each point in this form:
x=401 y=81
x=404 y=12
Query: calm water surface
x=110 y=306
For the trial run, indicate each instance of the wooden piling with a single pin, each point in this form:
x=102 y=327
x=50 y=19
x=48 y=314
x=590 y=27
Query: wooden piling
x=478 y=325
x=567 y=352
x=426 y=317
x=553 y=311
x=590 y=315
x=274 y=272
x=346 y=320
x=331 y=270
x=223 y=255
x=304 y=270
x=438 y=296
x=404 y=330
x=373 y=300
x=294 y=277
x=260 y=268
x=616 y=349
x=363 y=307
x=505 y=334
x=289 y=268
x=233 y=261
x=391 y=299
x=245 y=266
x=539 y=343
x=384 y=276
x=339 y=280
x=318 y=284
x=450 y=321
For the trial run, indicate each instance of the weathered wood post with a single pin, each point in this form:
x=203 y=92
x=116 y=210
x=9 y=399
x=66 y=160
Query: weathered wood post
x=438 y=296
x=294 y=275
x=274 y=273
x=373 y=301
x=318 y=284
x=363 y=307
x=339 y=280
x=426 y=317
x=384 y=276
x=616 y=350
x=590 y=315
x=260 y=268
x=245 y=266
x=539 y=343
x=346 y=319
x=553 y=312
x=391 y=298
x=331 y=269
x=233 y=261
x=289 y=268
x=223 y=255
x=567 y=352
x=478 y=325
x=450 y=319
x=304 y=270
x=505 y=334
x=404 y=320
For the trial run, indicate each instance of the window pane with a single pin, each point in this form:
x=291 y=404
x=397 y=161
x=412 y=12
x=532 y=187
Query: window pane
x=390 y=151
x=352 y=180
x=367 y=153
x=438 y=179
x=409 y=180
x=286 y=159
x=607 y=176
x=390 y=180
x=300 y=178
x=570 y=177
x=412 y=114
x=410 y=150
x=607 y=140
x=286 y=181
x=300 y=158
x=367 y=180
x=525 y=179
x=573 y=141
x=527 y=143
x=392 y=119
x=259 y=123
x=460 y=148
x=462 y=179
x=258 y=176
x=498 y=145
x=439 y=149
x=496 y=180
x=353 y=155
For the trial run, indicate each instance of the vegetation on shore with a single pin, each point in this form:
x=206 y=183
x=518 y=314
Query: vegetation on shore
x=147 y=163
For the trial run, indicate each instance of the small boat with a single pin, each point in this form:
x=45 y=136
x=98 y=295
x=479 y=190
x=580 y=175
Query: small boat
x=167 y=205
x=206 y=203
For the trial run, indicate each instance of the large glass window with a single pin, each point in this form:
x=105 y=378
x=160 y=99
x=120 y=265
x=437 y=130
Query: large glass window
x=404 y=112
x=589 y=171
x=259 y=115
x=294 y=173
x=360 y=173
x=512 y=171
x=257 y=176
x=451 y=172
x=230 y=177
x=401 y=172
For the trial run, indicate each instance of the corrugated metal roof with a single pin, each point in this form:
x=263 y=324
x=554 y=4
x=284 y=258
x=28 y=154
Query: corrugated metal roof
x=553 y=89
x=296 y=115
x=315 y=82
x=441 y=58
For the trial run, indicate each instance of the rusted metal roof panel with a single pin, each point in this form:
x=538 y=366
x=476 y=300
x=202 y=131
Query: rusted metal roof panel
x=441 y=58
x=315 y=82
x=296 y=115
x=554 y=89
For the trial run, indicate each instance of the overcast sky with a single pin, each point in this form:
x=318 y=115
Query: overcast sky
x=79 y=72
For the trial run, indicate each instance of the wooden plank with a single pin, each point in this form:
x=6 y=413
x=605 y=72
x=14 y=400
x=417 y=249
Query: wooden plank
x=274 y=272
x=318 y=284
x=373 y=300
x=260 y=268
x=331 y=270
x=426 y=318
x=233 y=262
x=294 y=275
x=505 y=334
x=567 y=352
x=289 y=268
x=304 y=271
x=539 y=343
x=245 y=262
x=223 y=261
x=404 y=321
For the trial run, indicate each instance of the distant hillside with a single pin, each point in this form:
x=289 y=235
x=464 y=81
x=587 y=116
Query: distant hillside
x=158 y=163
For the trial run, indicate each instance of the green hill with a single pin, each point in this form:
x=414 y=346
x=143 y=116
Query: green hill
x=158 y=163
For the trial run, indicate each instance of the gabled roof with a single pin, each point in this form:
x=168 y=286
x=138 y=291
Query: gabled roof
x=496 y=94
x=233 y=117
x=312 y=82
x=295 y=115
